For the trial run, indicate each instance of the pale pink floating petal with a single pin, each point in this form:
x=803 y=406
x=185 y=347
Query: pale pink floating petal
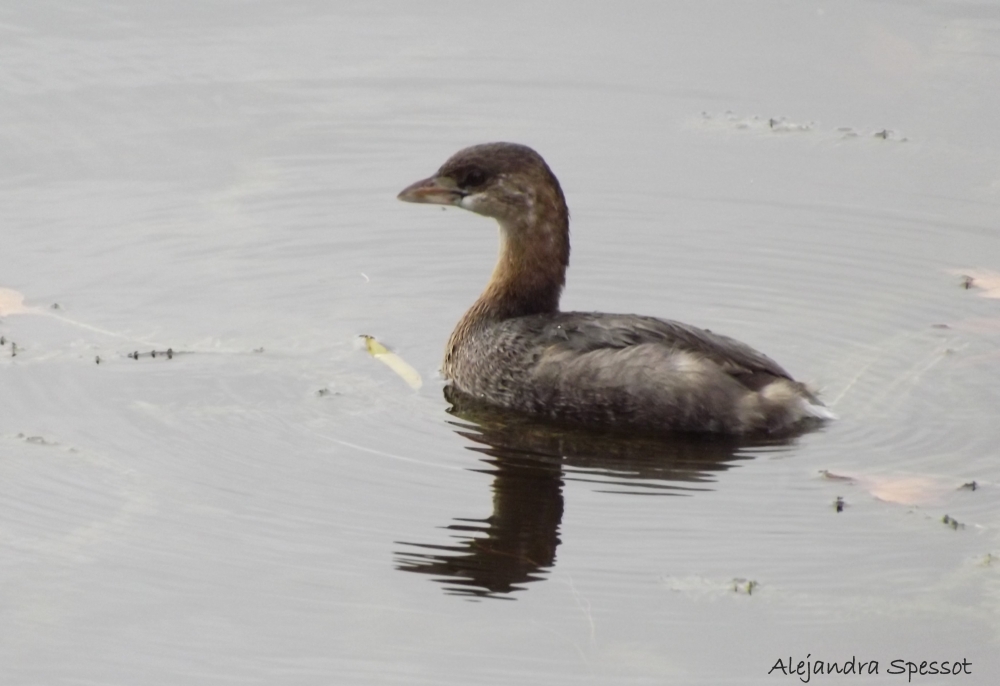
x=907 y=490
x=901 y=489
x=985 y=281
x=11 y=302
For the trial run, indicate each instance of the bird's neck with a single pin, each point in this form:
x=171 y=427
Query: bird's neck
x=528 y=277
x=530 y=270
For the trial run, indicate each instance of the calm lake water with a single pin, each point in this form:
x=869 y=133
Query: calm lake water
x=271 y=505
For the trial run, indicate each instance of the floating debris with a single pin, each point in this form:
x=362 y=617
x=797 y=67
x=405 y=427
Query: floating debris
x=835 y=477
x=11 y=302
x=393 y=361
x=952 y=522
x=168 y=353
x=889 y=135
x=36 y=440
x=985 y=281
x=900 y=489
x=780 y=125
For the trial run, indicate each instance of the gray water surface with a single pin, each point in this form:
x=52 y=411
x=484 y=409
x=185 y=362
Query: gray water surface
x=270 y=505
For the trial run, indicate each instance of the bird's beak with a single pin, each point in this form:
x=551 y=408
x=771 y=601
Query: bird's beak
x=433 y=191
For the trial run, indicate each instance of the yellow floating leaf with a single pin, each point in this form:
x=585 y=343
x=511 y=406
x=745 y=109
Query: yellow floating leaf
x=393 y=362
x=373 y=347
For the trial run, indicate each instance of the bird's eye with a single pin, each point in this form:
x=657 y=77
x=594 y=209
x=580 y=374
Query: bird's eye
x=473 y=178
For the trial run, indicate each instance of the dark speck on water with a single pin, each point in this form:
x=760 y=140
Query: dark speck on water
x=952 y=522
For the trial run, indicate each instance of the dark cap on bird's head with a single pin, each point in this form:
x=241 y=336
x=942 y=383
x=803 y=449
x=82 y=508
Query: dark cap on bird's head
x=500 y=180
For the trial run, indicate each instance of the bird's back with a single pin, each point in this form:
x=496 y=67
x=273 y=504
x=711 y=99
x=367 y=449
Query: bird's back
x=628 y=372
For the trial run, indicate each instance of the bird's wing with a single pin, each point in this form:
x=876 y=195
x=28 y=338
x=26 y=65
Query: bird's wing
x=585 y=332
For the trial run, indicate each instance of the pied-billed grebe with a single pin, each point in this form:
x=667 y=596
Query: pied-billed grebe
x=515 y=349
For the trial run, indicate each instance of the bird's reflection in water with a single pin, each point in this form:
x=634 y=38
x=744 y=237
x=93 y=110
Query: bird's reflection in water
x=529 y=462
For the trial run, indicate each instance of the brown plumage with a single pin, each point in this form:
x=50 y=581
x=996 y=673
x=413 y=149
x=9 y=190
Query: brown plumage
x=514 y=349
